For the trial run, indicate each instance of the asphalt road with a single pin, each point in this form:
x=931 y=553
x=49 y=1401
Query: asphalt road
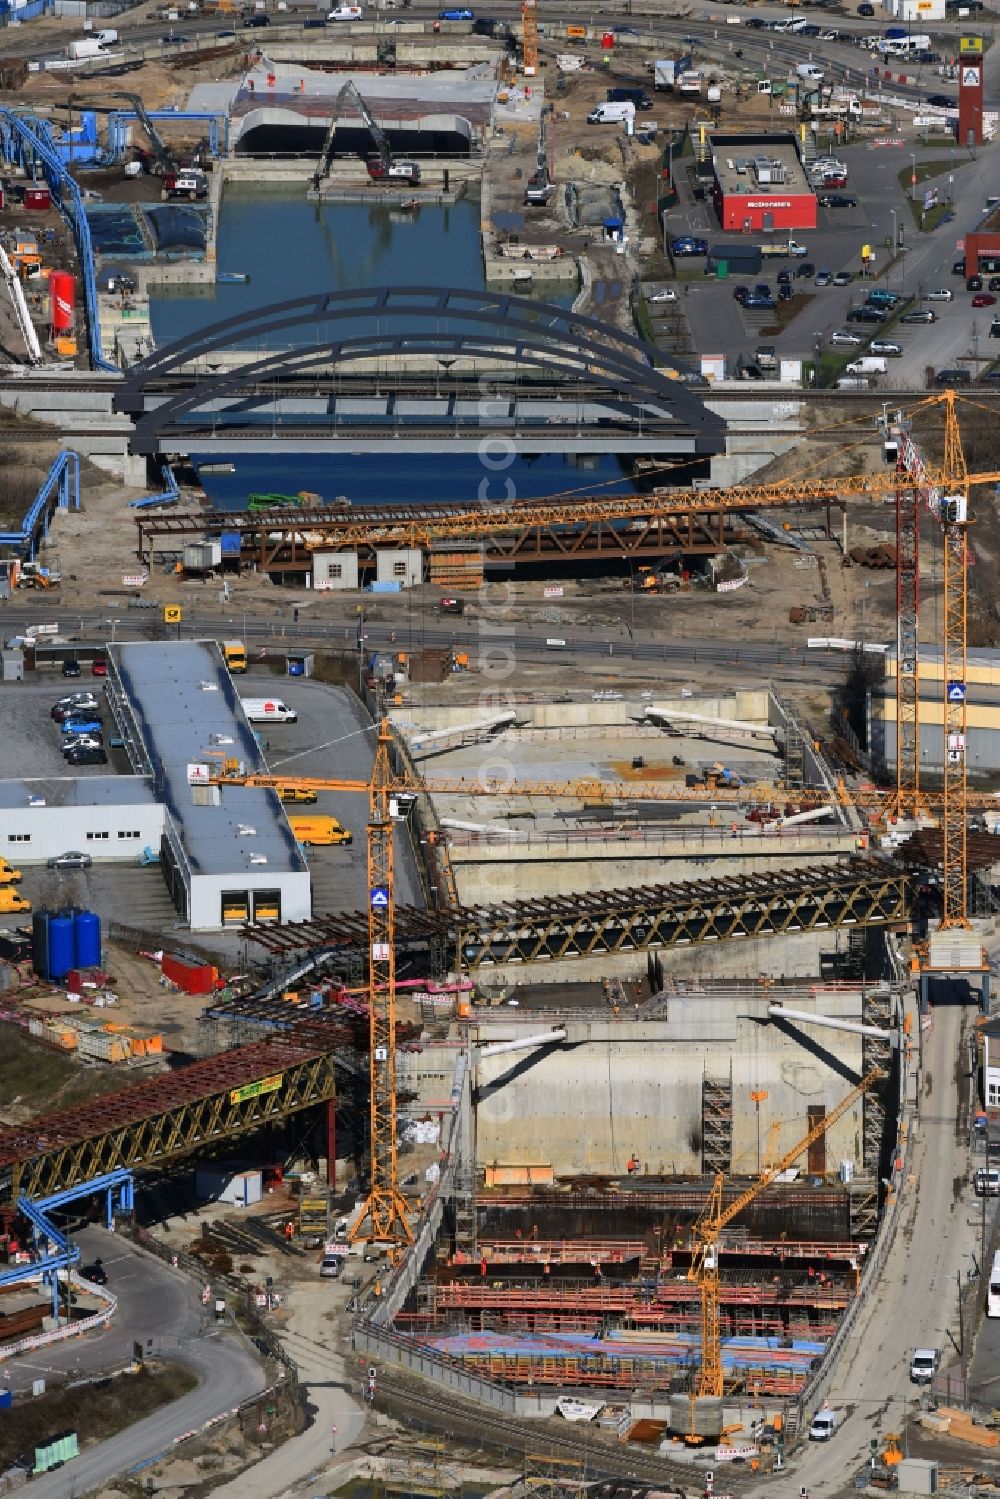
x=160 y=1307
x=915 y=1302
x=339 y=629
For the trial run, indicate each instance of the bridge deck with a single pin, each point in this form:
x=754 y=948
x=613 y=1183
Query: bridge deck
x=164 y=1116
x=613 y=921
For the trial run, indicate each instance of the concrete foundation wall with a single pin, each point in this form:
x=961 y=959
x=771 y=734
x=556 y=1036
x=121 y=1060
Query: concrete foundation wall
x=615 y=1088
x=515 y=870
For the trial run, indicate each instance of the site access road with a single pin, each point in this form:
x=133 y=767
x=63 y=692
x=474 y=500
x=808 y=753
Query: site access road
x=160 y=1306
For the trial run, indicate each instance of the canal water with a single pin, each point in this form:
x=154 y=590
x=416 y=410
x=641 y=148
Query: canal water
x=289 y=248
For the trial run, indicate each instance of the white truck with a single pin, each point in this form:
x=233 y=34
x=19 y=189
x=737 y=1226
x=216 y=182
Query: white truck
x=667 y=72
x=869 y=364
x=107 y=37
x=268 y=710
x=924 y=1365
x=84 y=46
x=689 y=83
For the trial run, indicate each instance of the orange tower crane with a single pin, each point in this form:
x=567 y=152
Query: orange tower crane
x=707 y=1231
x=529 y=45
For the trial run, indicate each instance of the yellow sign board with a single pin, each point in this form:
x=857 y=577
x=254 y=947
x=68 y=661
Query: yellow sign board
x=172 y=614
x=254 y=1090
x=967 y=44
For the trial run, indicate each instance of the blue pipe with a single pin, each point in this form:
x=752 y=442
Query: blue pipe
x=119 y=119
x=65 y=472
x=169 y=495
x=67 y=195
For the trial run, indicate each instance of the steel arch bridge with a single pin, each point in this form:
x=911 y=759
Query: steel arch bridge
x=536 y=354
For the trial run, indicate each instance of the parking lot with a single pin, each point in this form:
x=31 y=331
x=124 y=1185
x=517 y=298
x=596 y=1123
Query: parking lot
x=331 y=738
x=32 y=740
x=960 y=334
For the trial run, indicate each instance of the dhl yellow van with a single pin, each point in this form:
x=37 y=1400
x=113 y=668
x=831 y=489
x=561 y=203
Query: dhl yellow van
x=11 y=902
x=324 y=832
x=235 y=655
x=9 y=876
x=305 y=796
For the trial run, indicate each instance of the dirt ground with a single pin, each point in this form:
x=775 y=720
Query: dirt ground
x=95 y=1412
x=35 y=1078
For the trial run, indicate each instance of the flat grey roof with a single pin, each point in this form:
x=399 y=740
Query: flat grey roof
x=726 y=156
x=184 y=702
x=87 y=791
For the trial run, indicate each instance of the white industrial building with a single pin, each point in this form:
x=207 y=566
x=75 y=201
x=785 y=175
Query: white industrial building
x=108 y=817
x=915 y=11
x=229 y=855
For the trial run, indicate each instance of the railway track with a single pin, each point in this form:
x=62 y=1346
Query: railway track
x=601 y=1453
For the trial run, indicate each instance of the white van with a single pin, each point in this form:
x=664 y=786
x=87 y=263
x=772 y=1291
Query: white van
x=790 y=23
x=810 y=72
x=267 y=710
x=824 y=1424
x=555 y=645
x=612 y=112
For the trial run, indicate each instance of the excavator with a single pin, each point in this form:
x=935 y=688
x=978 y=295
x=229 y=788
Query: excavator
x=382 y=166
x=178 y=181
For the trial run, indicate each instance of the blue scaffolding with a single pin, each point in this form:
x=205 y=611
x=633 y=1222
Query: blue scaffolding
x=53 y=1249
x=23 y=143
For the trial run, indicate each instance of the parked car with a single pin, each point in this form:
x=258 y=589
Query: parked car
x=82 y=725
x=805 y=269
x=984 y=299
x=785 y=292
x=995 y=328
x=973 y=283
x=823 y=278
x=941 y=293
x=783 y=276
x=759 y=303
x=75 y=702
x=837 y=200
x=741 y=293
x=843 y=278
x=885 y=346
x=686 y=245
x=867 y=315
x=82 y=741
x=993 y=284
x=866 y=8
x=71 y=667
x=846 y=337
x=256 y=21
x=942 y=101
x=72 y=859
x=664 y=294
x=958 y=267
x=81 y=754
x=919 y=315
x=99 y=666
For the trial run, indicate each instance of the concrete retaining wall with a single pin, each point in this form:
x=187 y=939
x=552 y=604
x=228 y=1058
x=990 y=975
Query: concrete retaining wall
x=617 y=1086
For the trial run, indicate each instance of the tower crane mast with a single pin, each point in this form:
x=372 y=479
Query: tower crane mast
x=714 y=1217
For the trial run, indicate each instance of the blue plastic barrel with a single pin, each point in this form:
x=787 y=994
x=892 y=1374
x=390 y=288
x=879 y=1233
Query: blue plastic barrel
x=40 y=943
x=61 y=948
x=87 y=939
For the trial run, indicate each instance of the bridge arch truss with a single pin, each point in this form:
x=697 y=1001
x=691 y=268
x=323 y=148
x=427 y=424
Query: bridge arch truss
x=378 y=332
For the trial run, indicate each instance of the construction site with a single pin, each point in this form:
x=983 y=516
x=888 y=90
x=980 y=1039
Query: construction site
x=628 y=1088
